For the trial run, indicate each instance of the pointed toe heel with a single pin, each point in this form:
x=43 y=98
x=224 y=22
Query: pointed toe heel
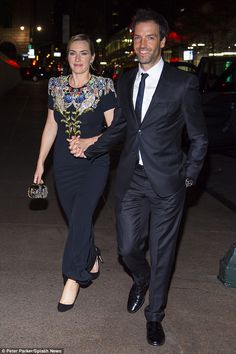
x=98 y=259
x=63 y=308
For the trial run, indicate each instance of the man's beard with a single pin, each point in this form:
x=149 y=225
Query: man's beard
x=146 y=60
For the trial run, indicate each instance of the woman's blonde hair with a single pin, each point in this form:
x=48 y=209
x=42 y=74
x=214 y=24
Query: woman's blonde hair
x=81 y=37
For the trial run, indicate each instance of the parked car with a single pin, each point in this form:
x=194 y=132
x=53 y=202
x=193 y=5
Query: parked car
x=31 y=73
x=38 y=72
x=217 y=78
x=10 y=75
x=186 y=66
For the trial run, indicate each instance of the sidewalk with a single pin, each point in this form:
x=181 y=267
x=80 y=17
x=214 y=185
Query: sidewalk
x=200 y=316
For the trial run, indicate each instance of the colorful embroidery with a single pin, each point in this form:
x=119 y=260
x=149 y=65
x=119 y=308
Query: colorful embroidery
x=73 y=102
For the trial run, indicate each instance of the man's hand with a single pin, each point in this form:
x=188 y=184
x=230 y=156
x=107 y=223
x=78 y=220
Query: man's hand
x=77 y=146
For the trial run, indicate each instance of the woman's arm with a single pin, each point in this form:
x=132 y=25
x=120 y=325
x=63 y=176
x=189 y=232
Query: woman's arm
x=48 y=138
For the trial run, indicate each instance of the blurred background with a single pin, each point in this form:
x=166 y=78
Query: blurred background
x=202 y=40
x=35 y=32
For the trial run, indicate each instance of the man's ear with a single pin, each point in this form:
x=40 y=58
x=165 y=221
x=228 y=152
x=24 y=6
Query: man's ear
x=163 y=42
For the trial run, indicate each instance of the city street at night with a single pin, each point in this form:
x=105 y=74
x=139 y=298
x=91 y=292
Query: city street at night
x=200 y=316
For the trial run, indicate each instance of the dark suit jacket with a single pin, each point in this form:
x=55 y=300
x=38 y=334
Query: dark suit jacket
x=176 y=102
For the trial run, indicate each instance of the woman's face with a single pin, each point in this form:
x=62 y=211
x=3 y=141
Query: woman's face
x=80 y=57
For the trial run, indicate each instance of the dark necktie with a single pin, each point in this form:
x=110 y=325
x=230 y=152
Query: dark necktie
x=139 y=99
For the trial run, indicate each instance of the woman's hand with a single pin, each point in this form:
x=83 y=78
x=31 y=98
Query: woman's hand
x=75 y=147
x=78 y=145
x=38 y=173
x=48 y=137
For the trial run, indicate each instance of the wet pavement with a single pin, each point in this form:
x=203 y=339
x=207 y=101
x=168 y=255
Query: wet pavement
x=200 y=316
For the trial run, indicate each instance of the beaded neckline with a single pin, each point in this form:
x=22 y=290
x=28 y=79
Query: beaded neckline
x=78 y=88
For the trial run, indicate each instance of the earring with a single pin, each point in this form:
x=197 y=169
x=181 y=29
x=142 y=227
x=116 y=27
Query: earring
x=91 y=65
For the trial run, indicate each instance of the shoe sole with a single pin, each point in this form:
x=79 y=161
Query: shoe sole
x=155 y=344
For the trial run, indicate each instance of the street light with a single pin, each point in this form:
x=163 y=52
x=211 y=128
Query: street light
x=33 y=32
x=33 y=40
x=99 y=48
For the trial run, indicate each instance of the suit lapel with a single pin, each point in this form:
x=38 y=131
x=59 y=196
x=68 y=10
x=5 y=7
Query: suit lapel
x=130 y=89
x=159 y=92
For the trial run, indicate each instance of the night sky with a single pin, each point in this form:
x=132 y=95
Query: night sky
x=94 y=17
x=171 y=9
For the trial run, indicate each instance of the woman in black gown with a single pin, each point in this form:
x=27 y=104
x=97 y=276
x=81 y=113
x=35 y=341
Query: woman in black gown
x=79 y=106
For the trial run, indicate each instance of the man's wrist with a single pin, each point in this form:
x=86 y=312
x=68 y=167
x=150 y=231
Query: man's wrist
x=189 y=182
x=86 y=155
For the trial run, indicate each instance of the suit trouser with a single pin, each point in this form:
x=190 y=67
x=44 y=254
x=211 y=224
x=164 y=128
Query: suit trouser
x=140 y=213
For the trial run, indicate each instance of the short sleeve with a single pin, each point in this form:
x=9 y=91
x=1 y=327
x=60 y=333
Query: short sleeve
x=108 y=99
x=50 y=96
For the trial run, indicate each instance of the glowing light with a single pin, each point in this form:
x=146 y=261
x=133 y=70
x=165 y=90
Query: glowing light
x=12 y=63
x=188 y=55
x=175 y=37
x=174 y=60
x=22 y=28
x=221 y=54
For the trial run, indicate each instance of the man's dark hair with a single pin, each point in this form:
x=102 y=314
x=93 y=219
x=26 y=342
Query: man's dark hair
x=143 y=15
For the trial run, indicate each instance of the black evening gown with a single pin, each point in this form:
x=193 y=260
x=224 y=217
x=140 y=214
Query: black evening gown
x=80 y=182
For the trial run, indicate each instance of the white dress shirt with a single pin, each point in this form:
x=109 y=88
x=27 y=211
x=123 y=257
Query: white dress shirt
x=151 y=83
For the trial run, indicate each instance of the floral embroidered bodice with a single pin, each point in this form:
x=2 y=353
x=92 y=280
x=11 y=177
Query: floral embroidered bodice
x=71 y=103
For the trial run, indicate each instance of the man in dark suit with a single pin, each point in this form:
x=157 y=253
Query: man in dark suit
x=153 y=171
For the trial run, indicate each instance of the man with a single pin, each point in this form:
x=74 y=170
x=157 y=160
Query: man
x=153 y=171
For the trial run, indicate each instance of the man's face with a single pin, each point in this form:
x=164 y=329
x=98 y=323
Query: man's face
x=147 y=43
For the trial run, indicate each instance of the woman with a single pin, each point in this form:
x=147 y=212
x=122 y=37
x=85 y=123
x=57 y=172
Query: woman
x=79 y=106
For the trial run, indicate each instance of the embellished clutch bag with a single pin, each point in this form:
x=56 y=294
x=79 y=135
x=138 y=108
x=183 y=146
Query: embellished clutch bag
x=37 y=191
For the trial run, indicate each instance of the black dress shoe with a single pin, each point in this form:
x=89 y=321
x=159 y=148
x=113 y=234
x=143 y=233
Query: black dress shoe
x=136 y=297
x=155 y=333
